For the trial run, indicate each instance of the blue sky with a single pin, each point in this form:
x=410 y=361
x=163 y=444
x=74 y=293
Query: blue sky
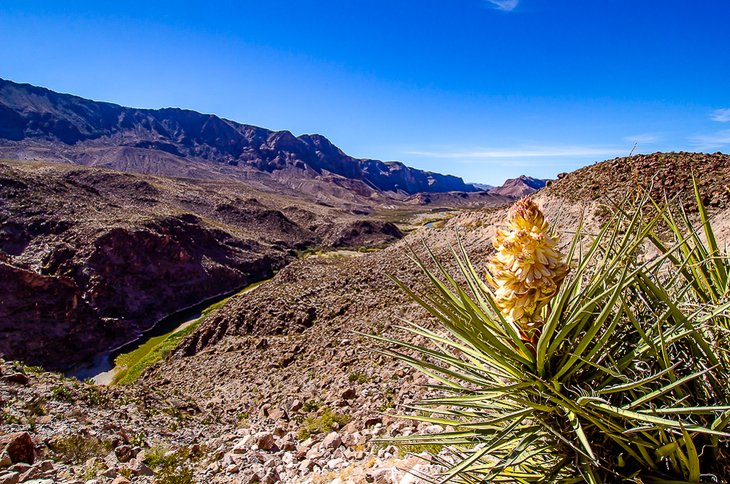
x=482 y=89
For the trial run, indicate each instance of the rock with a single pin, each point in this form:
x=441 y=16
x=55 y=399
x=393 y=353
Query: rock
x=382 y=475
x=431 y=429
x=9 y=477
x=121 y=480
x=264 y=440
x=305 y=445
x=109 y=472
x=20 y=467
x=19 y=378
x=352 y=440
x=19 y=446
x=349 y=394
x=372 y=421
x=124 y=453
x=287 y=443
x=288 y=459
x=32 y=473
x=243 y=445
x=271 y=477
x=5 y=460
x=314 y=453
x=306 y=466
x=332 y=441
x=232 y=469
x=278 y=414
x=139 y=468
x=248 y=476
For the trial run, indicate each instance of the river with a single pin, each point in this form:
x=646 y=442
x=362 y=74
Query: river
x=103 y=368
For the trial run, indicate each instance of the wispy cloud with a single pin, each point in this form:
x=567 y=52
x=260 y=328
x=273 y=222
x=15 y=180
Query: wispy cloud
x=506 y=5
x=712 y=141
x=644 y=138
x=529 y=152
x=720 y=115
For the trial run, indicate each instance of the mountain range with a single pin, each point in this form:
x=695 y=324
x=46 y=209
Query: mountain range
x=42 y=124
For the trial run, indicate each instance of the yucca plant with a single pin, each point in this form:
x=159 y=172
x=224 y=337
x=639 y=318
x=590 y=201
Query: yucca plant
x=608 y=372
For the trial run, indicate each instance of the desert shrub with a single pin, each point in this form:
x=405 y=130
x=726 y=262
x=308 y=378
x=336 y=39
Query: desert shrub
x=60 y=392
x=78 y=448
x=94 y=396
x=8 y=418
x=36 y=406
x=616 y=373
x=311 y=406
x=171 y=466
x=32 y=369
x=323 y=423
x=358 y=377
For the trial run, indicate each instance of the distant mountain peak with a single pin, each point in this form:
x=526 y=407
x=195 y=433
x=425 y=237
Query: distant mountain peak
x=519 y=187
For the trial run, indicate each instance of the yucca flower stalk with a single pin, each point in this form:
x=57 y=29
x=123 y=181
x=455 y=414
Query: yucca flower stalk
x=527 y=269
x=615 y=375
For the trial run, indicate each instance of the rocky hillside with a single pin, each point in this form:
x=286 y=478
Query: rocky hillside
x=37 y=123
x=295 y=340
x=665 y=174
x=281 y=385
x=91 y=257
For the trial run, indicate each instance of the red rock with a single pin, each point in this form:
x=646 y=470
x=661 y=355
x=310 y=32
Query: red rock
x=19 y=446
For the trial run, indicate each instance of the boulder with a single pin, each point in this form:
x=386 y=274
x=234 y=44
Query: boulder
x=19 y=447
x=332 y=441
x=18 y=378
x=9 y=477
x=264 y=440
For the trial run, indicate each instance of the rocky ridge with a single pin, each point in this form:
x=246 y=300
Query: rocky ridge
x=664 y=174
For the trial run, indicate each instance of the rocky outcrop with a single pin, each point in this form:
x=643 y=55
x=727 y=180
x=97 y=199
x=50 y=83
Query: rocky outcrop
x=663 y=174
x=44 y=319
x=37 y=122
x=362 y=234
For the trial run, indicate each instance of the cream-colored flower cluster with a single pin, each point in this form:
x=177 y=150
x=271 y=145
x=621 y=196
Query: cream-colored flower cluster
x=527 y=269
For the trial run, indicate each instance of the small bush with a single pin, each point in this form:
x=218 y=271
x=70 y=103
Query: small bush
x=77 y=449
x=311 y=406
x=33 y=369
x=404 y=449
x=62 y=393
x=36 y=406
x=94 y=396
x=9 y=419
x=323 y=423
x=171 y=466
x=358 y=377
